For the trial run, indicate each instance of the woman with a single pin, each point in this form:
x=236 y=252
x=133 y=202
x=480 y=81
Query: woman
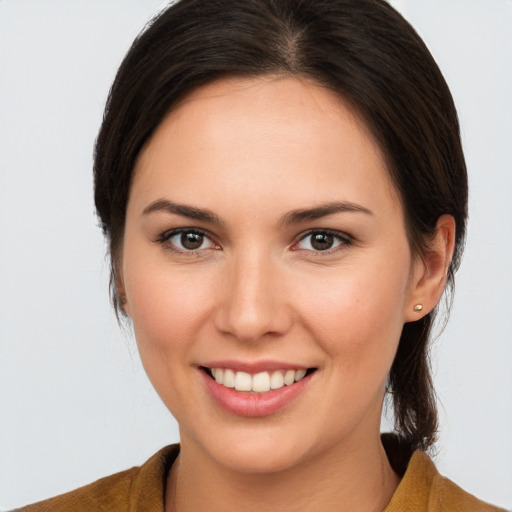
x=284 y=193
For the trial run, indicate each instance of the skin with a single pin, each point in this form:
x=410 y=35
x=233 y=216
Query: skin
x=251 y=152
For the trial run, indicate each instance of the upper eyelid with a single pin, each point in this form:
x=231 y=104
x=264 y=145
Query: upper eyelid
x=165 y=236
x=176 y=231
x=339 y=234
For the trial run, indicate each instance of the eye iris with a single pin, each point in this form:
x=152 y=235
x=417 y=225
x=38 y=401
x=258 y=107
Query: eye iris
x=191 y=241
x=322 y=241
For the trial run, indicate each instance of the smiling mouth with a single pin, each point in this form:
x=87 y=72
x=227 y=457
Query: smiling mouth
x=261 y=382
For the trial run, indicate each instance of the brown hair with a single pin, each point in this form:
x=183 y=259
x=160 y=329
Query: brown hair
x=363 y=50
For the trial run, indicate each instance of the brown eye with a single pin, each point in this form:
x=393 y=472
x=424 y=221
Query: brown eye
x=192 y=241
x=318 y=241
x=322 y=241
x=187 y=241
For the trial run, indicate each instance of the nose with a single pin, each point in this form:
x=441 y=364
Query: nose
x=253 y=302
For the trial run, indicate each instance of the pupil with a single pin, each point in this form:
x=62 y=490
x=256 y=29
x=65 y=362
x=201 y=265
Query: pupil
x=322 y=241
x=191 y=240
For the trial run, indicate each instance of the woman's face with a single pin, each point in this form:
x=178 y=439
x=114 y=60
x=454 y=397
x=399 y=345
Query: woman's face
x=263 y=236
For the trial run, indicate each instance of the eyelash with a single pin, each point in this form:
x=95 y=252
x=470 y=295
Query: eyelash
x=344 y=240
x=165 y=239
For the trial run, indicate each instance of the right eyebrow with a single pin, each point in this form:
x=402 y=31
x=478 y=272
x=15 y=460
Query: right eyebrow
x=191 y=212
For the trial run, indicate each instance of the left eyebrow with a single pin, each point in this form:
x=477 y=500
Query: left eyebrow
x=323 y=210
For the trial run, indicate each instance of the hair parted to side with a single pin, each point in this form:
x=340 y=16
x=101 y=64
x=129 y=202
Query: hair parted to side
x=361 y=49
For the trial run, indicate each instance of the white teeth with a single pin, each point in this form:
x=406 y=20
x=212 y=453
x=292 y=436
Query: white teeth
x=276 y=380
x=229 y=378
x=299 y=374
x=243 y=381
x=259 y=383
x=289 y=377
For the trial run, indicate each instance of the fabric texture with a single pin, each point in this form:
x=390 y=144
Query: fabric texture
x=139 y=489
x=142 y=489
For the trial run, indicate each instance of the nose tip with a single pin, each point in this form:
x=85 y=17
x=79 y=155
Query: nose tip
x=249 y=323
x=246 y=323
x=252 y=305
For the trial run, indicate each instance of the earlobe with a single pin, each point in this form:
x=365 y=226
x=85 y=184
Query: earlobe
x=121 y=295
x=123 y=303
x=430 y=271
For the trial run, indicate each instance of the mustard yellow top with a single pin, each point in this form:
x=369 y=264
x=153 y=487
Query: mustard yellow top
x=142 y=489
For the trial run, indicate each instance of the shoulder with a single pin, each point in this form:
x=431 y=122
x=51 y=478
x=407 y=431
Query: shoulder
x=448 y=496
x=95 y=496
x=423 y=489
x=117 y=492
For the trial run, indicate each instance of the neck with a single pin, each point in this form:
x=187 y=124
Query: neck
x=341 y=480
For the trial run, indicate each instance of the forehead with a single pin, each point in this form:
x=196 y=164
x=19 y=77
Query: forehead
x=288 y=133
x=268 y=98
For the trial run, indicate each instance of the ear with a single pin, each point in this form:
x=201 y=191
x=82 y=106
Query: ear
x=430 y=271
x=121 y=292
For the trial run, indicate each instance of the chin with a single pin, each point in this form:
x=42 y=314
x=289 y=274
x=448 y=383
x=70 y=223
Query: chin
x=255 y=451
x=254 y=460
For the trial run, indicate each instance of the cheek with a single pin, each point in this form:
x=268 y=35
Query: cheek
x=167 y=310
x=167 y=305
x=356 y=316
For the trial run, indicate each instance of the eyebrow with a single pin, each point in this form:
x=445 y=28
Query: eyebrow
x=190 y=212
x=323 y=210
x=293 y=217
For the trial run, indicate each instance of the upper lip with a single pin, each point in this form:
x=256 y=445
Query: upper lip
x=254 y=367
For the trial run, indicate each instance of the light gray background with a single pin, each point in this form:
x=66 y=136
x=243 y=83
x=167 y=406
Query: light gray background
x=75 y=404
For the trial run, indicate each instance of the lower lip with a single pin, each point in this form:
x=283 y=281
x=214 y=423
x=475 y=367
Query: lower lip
x=254 y=405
